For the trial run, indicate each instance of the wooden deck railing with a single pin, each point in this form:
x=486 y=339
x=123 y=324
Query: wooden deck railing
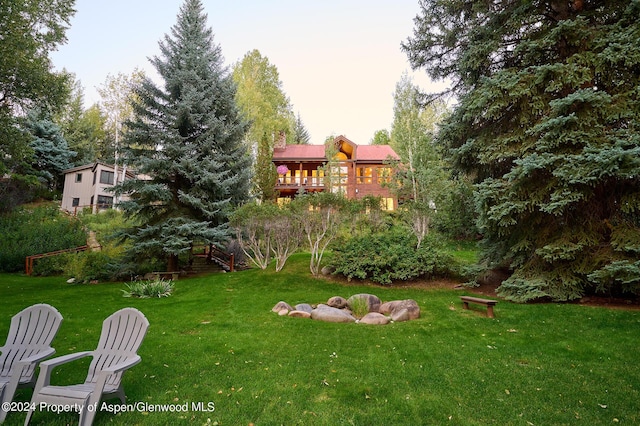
x=222 y=258
x=29 y=259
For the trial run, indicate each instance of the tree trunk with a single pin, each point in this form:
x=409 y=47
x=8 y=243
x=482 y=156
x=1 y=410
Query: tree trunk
x=172 y=263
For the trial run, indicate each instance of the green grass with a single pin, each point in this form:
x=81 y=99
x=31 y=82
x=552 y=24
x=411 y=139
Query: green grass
x=465 y=252
x=216 y=340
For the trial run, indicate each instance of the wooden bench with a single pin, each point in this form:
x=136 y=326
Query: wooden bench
x=488 y=303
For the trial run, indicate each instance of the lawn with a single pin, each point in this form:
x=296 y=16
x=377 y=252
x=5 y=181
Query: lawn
x=215 y=341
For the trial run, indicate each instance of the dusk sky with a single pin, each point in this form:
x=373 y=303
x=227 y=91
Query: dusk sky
x=339 y=60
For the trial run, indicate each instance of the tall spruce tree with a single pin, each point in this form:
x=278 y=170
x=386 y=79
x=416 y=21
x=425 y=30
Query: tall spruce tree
x=187 y=138
x=51 y=151
x=548 y=122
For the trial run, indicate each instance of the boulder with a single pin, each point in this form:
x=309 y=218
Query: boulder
x=374 y=318
x=389 y=308
x=283 y=312
x=337 y=302
x=372 y=301
x=327 y=270
x=329 y=314
x=300 y=314
x=400 y=315
x=304 y=307
x=281 y=306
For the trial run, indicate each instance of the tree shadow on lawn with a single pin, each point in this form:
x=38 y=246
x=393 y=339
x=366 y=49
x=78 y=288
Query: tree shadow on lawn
x=487 y=288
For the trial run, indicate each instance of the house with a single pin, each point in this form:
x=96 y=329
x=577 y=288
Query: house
x=88 y=186
x=360 y=170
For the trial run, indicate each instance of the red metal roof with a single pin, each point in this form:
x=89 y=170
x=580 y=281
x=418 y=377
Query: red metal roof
x=300 y=152
x=375 y=153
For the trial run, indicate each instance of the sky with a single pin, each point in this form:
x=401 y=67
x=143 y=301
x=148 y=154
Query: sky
x=338 y=60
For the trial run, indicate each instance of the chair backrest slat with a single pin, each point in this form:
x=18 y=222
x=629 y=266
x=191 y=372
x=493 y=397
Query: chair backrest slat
x=121 y=336
x=31 y=331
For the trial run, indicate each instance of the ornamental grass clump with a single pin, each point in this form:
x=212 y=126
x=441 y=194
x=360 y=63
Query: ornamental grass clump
x=149 y=289
x=359 y=307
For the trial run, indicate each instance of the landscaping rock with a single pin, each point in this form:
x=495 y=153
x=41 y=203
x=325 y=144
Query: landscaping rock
x=329 y=314
x=375 y=318
x=304 y=307
x=339 y=309
x=300 y=314
x=400 y=315
x=280 y=306
x=327 y=270
x=389 y=308
x=337 y=302
x=372 y=301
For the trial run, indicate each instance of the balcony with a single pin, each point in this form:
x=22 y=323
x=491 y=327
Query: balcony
x=292 y=184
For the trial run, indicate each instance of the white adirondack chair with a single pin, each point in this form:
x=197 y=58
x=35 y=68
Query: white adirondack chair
x=28 y=342
x=122 y=334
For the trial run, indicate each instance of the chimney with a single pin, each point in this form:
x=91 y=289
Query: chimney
x=281 y=141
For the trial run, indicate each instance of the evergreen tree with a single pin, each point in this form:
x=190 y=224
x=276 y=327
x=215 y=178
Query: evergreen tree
x=51 y=152
x=300 y=133
x=29 y=30
x=84 y=130
x=548 y=121
x=187 y=137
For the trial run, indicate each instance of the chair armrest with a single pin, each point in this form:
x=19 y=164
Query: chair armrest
x=47 y=366
x=104 y=375
x=53 y=362
x=123 y=365
x=35 y=358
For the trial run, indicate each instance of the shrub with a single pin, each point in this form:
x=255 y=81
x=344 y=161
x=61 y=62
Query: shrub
x=54 y=265
x=105 y=264
x=150 y=288
x=26 y=232
x=392 y=256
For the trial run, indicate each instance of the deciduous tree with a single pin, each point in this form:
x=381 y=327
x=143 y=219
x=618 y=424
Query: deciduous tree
x=28 y=32
x=262 y=100
x=381 y=137
x=83 y=129
x=420 y=178
x=321 y=215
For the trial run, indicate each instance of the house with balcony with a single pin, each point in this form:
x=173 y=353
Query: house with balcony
x=89 y=186
x=358 y=170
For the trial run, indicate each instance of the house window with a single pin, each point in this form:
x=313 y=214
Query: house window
x=337 y=179
x=105 y=202
x=75 y=202
x=106 y=177
x=386 y=204
x=384 y=175
x=78 y=177
x=317 y=177
x=364 y=175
